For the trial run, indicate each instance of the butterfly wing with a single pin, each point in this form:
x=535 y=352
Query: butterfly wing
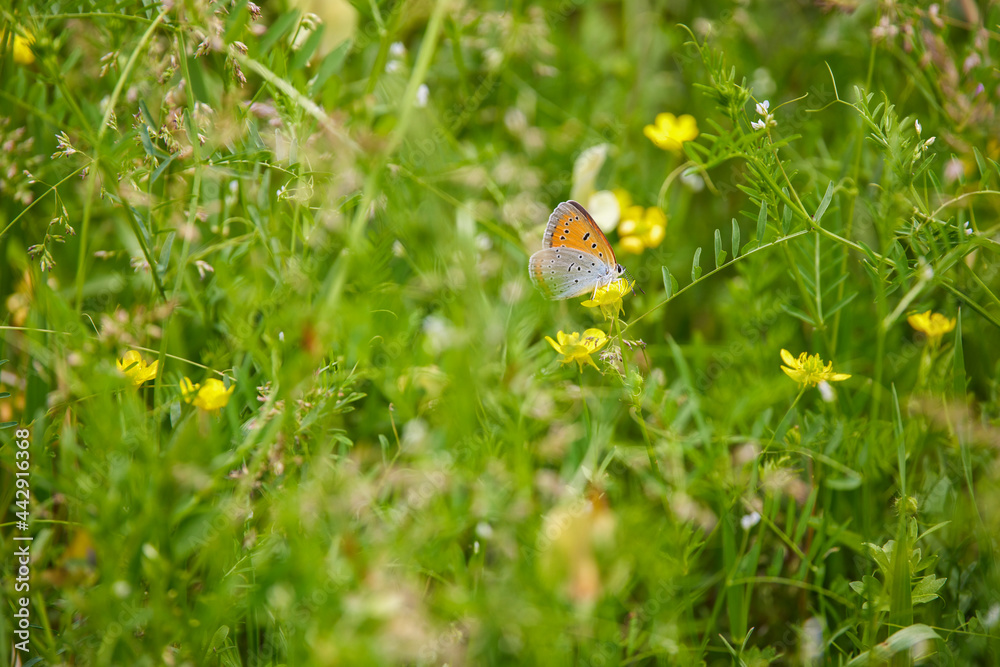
x=570 y=226
x=562 y=273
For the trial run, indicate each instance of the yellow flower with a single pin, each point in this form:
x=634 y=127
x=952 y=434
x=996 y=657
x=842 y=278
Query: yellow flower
x=135 y=369
x=623 y=197
x=189 y=389
x=609 y=298
x=210 y=396
x=642 y=228
x=809 y=370
x=574 y=348
x=670 y=132
x=933 y=325
x=21 y=46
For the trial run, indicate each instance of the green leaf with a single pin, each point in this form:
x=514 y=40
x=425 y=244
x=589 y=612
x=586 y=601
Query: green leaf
x=795 y=312
x=284 y=23
x=927 y=588
x=786 y=221
x=823 y=205
x=843 y=483
x=900 y=593
x=168 y=245
x=147 y=143
x=871 y=253
x=736 y=239
x=840 y=304
x=236 y=21
x=331 y=65
x=720 y=254
x=668 y=284
x=695 y=266
x=959 y=361
x=163 y=165
x=900 y=442
x=301 y=58
x=147 y=117
x=761 y=222
x=981 y=163
x=903 y=640
x=139 y=223
x=218 y=640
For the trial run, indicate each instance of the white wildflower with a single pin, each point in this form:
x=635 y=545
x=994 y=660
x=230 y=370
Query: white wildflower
x=748 y=521
x=826 y=391
x=423 y=93
x=766 y=117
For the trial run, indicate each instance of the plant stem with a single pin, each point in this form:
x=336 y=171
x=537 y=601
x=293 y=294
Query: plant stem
x=788 y=412
x=673 y=296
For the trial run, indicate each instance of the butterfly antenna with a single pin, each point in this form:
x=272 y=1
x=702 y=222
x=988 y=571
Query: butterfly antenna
x=632 y=281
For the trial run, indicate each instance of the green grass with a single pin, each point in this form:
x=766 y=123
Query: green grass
x=333 y=213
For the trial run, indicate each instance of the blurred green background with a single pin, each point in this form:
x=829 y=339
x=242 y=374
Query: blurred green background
x=330 y=207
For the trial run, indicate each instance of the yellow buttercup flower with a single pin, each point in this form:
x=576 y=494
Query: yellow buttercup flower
x=136 y=369
x=809 y=370
x=573 y=347
x=21 y=48
x=642 y=228
x=670 y=132
x=609 y=298
x=189 y=389
x=623 y=197
x=933 y=325
x=210 y=396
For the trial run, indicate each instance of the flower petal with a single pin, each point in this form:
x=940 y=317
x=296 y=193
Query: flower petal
x=655 y=236
x=632 y=244
x=585 y=171
x=129 y=360
x=603 y=206
x=796 y=375
x=189 y=389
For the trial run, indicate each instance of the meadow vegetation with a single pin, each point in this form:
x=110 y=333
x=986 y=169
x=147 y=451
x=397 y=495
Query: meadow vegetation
x=293 y=400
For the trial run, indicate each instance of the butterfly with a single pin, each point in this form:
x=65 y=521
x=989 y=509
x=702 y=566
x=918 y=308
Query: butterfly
x=577 y=257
